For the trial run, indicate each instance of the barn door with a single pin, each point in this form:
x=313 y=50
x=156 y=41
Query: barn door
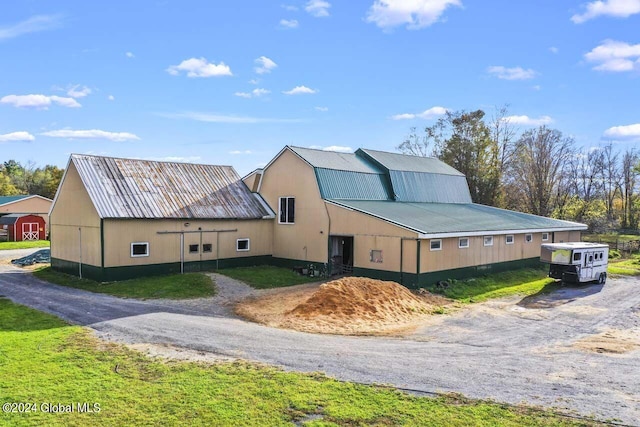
x=30 y=231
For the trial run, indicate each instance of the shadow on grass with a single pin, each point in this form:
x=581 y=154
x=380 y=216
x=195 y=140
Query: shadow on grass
x=556 y=294
x=13 y=318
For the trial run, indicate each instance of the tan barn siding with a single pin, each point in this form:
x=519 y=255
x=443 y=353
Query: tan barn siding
x=73 y=210
x=373 y=233
x=451 y=256
x=165 y=248
x=290 y=176
x=252 y=181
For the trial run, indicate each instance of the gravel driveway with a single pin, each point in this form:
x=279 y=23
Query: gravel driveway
x=512 y=350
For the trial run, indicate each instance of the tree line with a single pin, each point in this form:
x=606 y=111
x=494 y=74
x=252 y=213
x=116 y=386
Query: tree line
x=17 y=179
x=539 y=171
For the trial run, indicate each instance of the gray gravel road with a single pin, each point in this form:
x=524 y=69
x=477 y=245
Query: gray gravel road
x=511 y=350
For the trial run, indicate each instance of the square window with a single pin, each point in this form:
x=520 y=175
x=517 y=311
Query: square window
x=207 y=247
x=139 y=249
x=242 y=245
x=193 y=249
x=463 y=242
x=545 y=237
x=287 y=211
x=509 y=239
x=577 y=256
x=435 y=244
x=528 y=238
x=375 y=255
x=488 y=240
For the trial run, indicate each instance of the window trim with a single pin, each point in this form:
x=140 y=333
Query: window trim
x=528 y=238
x=506 y=239
x=197 y=251
x=139 y=255
x=248 y=240
x=287 y=213
x=210 y=248
x=439 y=248
x=371 y=258
x=484 y=240
x=460 y=239
x=543 y=238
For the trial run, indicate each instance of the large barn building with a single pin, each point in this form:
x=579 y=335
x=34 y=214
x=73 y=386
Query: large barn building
x=393 y=216
x=369 y=213
x=114 y=219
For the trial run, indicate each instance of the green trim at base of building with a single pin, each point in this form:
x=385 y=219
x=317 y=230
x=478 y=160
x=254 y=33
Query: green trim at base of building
x=114 y=274
x=410 y=280
x=429 y=280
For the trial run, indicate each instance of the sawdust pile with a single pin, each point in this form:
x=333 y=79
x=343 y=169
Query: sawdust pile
x=613 y=341
x=351 y=306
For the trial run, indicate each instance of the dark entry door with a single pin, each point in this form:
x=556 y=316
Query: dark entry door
x=341 y=254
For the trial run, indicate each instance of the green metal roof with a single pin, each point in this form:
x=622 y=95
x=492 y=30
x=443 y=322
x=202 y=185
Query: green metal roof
x=408 y=163
x=9 y=199
x=334 y=160
x=340 y=184
x=429 y=187
x=457 y=218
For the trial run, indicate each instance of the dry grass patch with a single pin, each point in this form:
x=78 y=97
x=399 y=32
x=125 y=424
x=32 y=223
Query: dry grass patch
x=613 y=341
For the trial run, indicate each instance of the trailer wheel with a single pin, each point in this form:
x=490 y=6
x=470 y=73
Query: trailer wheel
x=602 y=279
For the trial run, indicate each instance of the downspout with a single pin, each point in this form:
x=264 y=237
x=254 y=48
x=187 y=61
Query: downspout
x=102 y=248
x=329 y=263
x=181 y=253
x=80 y=263
x=401 y=260
x=418 y=261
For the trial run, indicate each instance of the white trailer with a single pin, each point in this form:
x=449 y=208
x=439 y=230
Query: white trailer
x=576 y=262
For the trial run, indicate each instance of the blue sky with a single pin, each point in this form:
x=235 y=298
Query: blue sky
x=233 y=82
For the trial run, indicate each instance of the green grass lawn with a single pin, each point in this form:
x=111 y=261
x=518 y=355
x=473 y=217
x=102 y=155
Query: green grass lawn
x=27 y=244
x=526 y=281
x=265 y=277
x=44 y=360
x=627 y=267
x=174 y=286
x=609 y=237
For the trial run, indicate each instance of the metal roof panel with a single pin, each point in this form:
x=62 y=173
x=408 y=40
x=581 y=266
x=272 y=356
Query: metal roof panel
x=131 y=188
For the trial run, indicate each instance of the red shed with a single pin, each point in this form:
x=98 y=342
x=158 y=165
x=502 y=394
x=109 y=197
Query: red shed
x=22 y=227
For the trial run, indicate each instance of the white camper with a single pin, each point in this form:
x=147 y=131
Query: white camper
x=576 y=262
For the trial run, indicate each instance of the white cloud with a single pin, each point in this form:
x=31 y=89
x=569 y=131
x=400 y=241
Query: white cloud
x=111 y=98
x=536 y=87
x=289 y=7
x=318 y=8
x=256 y=93
x=336 y=148
x=300 y=90
x=224 y=118
x=431 y=113
x=554 y=49
x=628 y=132
x=200 y=67
x=78 y=91
x=32 y=25
x=615 y=8
x=415 y=14
x=289 y=23
x=16 y=136
x=254 y=81
x=38 y=101
x=236 y=152
x=323 y=109
x=515 y=73
x=528 y=121
x=615 y=56
x=130 y=55
x=91 y=134
x=264 y=65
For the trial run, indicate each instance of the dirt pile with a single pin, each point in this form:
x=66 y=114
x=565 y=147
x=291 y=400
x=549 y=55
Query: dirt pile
x=352 y=305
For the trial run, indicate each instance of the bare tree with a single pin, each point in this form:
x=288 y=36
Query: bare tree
x=539 y=170
x=628 y=189
x=610 y=176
